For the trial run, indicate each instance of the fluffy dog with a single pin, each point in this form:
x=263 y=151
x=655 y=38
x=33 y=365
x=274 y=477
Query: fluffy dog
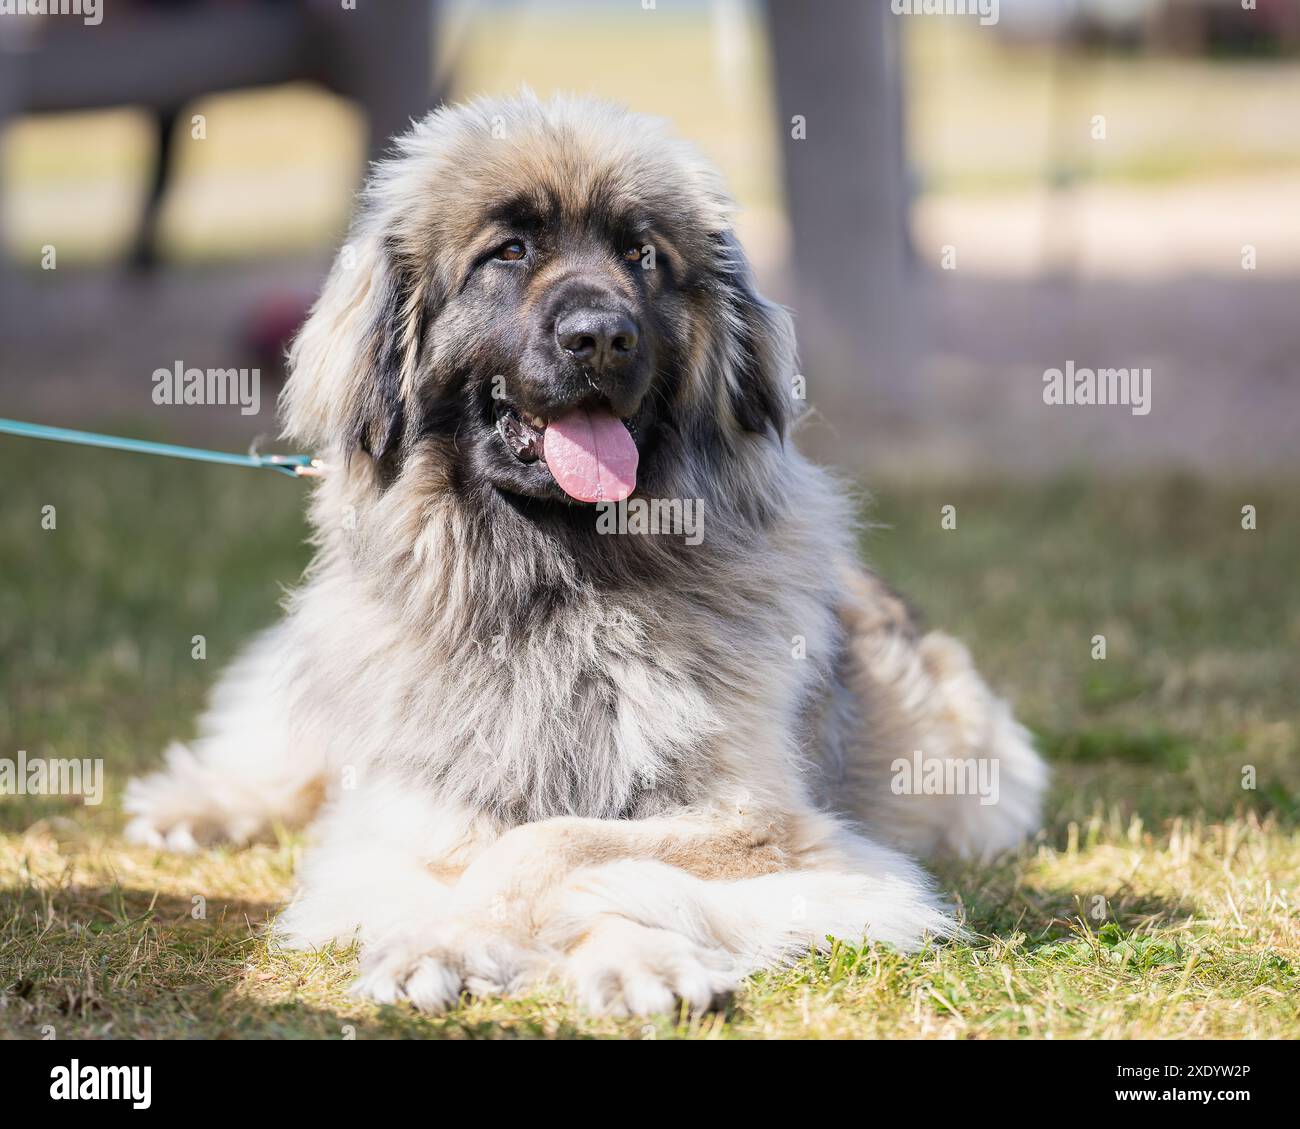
x=641 y=763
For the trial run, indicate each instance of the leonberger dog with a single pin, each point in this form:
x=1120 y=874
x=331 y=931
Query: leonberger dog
x=537 y=743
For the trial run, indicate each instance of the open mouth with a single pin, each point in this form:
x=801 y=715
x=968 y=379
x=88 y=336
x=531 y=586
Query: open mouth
x=590 y=452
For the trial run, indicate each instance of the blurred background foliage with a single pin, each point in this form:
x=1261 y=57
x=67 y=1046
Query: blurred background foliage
x=988 y=111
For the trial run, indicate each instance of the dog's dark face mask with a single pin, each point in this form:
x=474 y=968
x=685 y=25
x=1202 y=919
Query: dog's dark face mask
x=558 y=344
x=553 y=369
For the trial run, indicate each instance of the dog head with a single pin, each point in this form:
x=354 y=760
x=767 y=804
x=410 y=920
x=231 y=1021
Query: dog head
x=550 y=298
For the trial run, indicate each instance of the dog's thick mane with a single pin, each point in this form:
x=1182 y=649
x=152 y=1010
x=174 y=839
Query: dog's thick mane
x=589 y=665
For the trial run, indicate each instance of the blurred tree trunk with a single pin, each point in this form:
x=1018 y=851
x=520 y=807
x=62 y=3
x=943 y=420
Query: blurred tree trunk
x=837 y=67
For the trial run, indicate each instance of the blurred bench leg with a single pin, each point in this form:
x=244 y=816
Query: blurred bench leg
x=144 y=254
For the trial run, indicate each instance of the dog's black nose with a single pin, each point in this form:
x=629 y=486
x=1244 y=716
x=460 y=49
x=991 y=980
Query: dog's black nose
x=606 y=340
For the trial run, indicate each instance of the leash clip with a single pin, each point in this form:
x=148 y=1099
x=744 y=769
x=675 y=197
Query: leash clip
x=313 y=469
x=296 y=466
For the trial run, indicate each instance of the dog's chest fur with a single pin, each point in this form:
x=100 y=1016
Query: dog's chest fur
x=489 y=664
x=605 y=708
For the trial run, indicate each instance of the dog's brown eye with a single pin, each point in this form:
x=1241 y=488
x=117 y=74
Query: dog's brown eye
x=512 y=252
x=632 y=254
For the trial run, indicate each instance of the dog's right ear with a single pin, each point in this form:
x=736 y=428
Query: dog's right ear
x=759 y=346
x=352 y=365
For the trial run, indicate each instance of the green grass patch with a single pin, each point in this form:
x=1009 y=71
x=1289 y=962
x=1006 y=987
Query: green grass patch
x=1160 y=898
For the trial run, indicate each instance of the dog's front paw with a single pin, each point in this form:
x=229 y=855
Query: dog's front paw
x=622 y=968
x=432 y=970
x=175 y=837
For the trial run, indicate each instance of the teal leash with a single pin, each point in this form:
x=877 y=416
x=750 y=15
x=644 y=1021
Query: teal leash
x=295 y=466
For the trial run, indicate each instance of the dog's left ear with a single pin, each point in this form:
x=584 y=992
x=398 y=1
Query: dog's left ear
x=760 y=347
x=352 y=365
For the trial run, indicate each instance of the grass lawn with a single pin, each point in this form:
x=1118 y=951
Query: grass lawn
x=1162 y=898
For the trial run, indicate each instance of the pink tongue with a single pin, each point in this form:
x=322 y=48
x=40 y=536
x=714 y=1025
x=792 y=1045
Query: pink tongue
x=591 y=455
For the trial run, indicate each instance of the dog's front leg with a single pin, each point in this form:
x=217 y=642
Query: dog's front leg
x=504 y=925
x=382 y=870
